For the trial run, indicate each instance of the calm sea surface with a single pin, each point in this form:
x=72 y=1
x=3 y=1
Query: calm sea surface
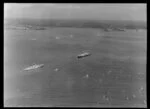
x=114 y=75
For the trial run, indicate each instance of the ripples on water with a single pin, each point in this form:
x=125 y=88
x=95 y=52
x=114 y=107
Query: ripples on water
x=99 y=80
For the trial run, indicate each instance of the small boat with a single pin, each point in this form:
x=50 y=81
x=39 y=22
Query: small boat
x=33 y=67
x=83 y=55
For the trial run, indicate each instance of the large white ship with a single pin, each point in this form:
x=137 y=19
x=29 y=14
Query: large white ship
x=35 y=66
x=83 y=55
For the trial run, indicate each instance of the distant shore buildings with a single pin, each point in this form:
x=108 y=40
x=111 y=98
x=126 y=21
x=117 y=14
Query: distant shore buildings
x=26 y=27
x=114 y=29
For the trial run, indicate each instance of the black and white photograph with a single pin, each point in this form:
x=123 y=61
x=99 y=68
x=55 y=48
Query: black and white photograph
x=75 y=55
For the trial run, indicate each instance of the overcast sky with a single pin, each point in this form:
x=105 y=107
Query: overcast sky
x=95 y=11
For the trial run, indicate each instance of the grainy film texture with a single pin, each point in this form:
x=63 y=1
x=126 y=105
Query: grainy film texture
x=75 y=55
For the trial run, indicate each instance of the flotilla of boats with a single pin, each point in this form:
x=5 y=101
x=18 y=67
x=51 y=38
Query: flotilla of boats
x=36 y=66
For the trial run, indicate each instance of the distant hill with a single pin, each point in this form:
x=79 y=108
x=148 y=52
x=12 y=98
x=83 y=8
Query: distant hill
x=77 y=23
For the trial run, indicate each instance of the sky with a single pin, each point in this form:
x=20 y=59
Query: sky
x=89 y=11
